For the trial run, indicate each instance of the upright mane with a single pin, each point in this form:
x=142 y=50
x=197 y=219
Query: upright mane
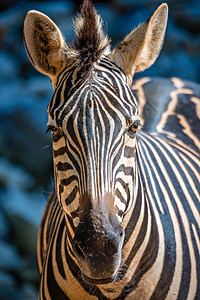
x=91 y=41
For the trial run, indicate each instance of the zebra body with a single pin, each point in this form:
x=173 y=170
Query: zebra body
x=123 y=221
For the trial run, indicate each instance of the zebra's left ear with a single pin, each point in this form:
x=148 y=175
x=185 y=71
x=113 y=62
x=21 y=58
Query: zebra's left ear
x=141 y=47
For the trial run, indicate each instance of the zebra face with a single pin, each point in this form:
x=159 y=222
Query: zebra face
x=94 y=133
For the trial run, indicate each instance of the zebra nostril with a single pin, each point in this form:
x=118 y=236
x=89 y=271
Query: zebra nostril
x=78 y=251
x=121 y=233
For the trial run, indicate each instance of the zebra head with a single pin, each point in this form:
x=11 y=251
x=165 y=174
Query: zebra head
x=93 y=119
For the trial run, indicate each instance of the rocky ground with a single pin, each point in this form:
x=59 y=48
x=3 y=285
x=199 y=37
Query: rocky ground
x=25 y=150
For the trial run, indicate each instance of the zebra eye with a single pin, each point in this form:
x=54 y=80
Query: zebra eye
x=55 y=131
x=133 y=128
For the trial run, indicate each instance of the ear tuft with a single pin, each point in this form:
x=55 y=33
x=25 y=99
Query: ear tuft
x=44 y=43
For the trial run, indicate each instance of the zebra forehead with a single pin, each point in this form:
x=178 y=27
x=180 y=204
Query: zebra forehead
x=105 y=87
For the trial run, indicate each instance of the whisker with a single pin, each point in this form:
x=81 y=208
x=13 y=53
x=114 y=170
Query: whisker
x=45 y=147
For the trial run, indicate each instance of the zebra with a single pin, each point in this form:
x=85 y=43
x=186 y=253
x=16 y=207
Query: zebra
x=123 y=219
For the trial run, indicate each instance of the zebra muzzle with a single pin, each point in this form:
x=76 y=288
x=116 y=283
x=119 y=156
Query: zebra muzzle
x=97 y=247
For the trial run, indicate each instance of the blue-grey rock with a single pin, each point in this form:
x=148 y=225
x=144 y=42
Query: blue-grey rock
x=23 y=211
x=30 y=272
x=29 y=292
x=10 y=294
x=4 y=225
x=6 y=280
x=9 y=258
x=13 y=176
x=9 y=66
x=23 y=125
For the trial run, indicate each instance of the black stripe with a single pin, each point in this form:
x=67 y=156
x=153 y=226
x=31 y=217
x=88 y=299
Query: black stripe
x=119 y=195
x=61 y=151
x=71 y=196
x=53 y=287
x=129 y=152
x=134 y=217
x=63 y=166
x=68 y=180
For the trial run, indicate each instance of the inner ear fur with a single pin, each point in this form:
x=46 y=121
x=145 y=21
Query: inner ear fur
x=139 y=50
x=44 y=43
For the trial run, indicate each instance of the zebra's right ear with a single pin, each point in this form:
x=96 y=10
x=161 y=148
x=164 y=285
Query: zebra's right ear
x=44 y=43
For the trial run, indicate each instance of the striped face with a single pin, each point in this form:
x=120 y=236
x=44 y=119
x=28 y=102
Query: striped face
x=93 y=123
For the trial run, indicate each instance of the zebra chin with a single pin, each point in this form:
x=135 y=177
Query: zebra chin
x=99 y=281
x=100 y=273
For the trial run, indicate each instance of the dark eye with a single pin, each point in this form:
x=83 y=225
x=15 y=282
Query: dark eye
x=55 y=131
x=132 y=129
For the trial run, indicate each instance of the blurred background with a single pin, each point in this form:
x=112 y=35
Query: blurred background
x=26 y=175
